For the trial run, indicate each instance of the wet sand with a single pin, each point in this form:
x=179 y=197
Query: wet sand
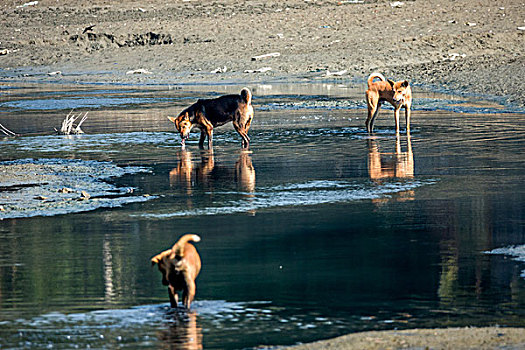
x=474 y=47
x=449 y=338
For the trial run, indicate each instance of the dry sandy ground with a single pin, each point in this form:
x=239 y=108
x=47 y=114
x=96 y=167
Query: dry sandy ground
x=473 y=46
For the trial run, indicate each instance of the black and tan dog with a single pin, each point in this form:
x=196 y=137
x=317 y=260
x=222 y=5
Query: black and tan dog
x=398 y=94
x=207 y=114
x=180 y=266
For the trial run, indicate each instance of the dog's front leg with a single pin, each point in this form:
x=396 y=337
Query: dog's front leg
x=243 y=132
x=174 y=297
x=396 y=117
x=202 y=138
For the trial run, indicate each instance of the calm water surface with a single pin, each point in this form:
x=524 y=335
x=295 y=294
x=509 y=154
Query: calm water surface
x=318 y=231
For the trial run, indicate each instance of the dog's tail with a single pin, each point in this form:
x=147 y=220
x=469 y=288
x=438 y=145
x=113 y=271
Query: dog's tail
x=246 y=95
x=178 y=248
x=375 y=75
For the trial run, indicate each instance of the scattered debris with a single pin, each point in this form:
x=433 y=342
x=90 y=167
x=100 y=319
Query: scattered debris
x=66 y=190
x=138 y=71
x=350 y=2
x=397 y=4
x=41 y=198
x=84 y=195
x=337 y=74
x=4 y=52
x=6 y=131
x=452 y=56
x=521 y=28
x=268 y=55
x=470 y=24
x=54 y=73
x=260 y=70
x=87 y=29
x=98 y=41
x=141 y=9
x=220 y=70
x=31 y=3
x=68 y=126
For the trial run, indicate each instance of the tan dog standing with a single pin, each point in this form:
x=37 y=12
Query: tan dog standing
x=180 y=266
x=398 y=94
x=207 y=114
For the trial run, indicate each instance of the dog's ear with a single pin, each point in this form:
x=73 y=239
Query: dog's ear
x=154 y=260
x=404 y=84
x=391 y=82
x=172 y=119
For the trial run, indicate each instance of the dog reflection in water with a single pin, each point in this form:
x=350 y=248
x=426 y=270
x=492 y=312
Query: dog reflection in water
x=188 y=173
x=399 y=164
x=183 y=332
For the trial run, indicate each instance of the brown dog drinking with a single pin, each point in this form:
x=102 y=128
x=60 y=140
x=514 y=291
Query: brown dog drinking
x=180 y=266
x=207 y=114
x=398 y=94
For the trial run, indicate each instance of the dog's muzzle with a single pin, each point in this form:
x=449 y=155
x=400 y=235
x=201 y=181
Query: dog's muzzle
x=183 y=139
x=398 y=100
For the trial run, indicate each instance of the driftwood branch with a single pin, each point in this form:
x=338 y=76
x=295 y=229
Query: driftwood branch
x=268 y=55
x=6 y=131
x=68 y=124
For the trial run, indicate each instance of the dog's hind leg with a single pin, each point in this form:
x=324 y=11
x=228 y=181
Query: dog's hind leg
x=374 y=104
x=210 y=139
x=373 y=111
x=189 y=293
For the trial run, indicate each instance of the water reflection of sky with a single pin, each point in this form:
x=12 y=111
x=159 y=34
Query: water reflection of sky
x=334 y=230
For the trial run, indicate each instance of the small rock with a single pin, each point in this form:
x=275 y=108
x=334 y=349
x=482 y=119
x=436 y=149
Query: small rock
x=65 y=190
x=220 y=70
x=84 y=195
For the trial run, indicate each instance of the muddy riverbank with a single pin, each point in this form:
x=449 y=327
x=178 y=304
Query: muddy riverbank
x=458 y=46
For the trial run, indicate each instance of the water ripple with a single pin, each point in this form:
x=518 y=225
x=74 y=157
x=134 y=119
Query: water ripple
x=297 y=194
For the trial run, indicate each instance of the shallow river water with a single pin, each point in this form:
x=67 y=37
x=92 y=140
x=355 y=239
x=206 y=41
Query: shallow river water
x=320 y=230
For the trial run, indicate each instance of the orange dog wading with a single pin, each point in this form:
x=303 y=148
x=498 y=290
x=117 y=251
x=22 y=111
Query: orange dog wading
x=398 y=94
x=180 y=266
x=207 y=114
